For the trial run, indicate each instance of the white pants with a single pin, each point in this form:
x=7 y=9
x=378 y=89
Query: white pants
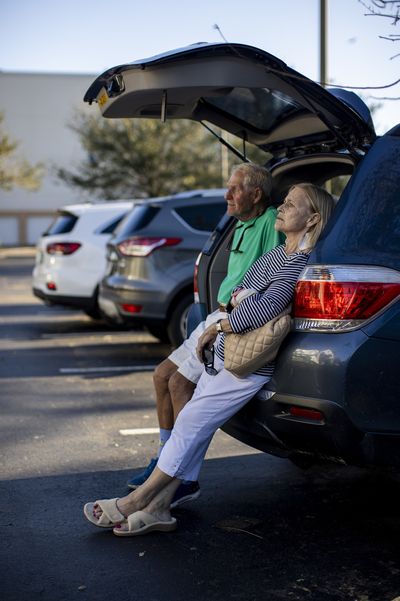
x=214 y=401
x=185 y=355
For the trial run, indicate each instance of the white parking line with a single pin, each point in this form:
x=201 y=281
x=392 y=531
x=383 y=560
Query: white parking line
x=95 y=334
x=90 y=370
x=135 y=431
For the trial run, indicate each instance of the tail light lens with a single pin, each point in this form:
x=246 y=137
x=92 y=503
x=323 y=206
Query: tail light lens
x=342 y=297
x=129 y=308
x=62 y=248
x=139 y=246
x=196 y=280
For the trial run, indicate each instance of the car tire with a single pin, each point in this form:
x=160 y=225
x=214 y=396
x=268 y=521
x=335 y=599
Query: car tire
x=159 y=331
x=93 y=313
x=177 y=322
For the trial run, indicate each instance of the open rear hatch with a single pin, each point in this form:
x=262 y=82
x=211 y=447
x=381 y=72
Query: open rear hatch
x=242 y=90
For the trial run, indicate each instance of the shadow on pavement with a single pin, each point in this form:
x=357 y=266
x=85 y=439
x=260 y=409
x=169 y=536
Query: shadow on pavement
x=262 y=530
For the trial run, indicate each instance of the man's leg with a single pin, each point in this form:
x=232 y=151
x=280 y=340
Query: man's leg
x=165 y=411
x=180 y=391
x=165 y=416
x=161 y=378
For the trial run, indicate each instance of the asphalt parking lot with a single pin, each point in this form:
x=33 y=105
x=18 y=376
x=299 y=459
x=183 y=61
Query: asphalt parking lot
x=71 y=390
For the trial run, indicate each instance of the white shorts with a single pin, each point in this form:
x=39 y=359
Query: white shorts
x=185 y=355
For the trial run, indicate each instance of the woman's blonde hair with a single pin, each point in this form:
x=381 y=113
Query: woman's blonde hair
x=321 y=202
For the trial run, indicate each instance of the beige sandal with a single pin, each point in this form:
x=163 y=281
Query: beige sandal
x=110 y=517
x=142 y=522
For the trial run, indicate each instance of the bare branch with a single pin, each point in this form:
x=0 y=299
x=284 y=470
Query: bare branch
x=384 y=97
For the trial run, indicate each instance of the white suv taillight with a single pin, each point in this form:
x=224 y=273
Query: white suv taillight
x=338 y=298
x=62 y=248
x=139 y=246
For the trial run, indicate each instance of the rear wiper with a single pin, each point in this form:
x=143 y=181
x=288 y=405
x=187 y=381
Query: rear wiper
x=240 y=155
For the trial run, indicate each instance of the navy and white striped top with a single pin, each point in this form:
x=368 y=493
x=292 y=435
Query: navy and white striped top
x=274 y=276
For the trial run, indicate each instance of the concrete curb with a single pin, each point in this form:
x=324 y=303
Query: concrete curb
x=18 y=252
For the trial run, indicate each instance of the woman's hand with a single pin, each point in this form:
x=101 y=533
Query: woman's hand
x=207 y=339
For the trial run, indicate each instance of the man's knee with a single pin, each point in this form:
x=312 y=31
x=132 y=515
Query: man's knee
x=163 y=372
x=180 y=387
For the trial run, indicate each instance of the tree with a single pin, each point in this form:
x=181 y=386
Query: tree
x=387 y=9
x=135 y=158
x=15 y=171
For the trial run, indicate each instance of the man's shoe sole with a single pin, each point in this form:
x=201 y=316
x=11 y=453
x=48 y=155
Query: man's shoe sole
x=183 y=500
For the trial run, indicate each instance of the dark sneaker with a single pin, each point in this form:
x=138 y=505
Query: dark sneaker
x=187 y=491
x=142 y=477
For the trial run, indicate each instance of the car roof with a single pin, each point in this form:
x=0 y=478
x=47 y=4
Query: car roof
x=183 y=197
x=240 y=89
x=101 y=207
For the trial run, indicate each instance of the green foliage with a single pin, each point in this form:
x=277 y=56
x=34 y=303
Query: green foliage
x=138 y=158
x=15 y=171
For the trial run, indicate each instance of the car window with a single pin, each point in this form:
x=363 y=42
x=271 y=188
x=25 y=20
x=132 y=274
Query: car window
x=62 y=224
x=202 y=217
x=260 y=108
x=138 y=218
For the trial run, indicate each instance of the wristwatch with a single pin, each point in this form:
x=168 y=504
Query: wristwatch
x=219 y=326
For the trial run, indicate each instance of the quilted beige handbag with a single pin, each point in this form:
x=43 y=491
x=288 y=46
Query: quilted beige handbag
x=245 y=353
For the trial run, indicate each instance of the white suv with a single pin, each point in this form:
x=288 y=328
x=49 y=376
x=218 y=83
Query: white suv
x=70 y=258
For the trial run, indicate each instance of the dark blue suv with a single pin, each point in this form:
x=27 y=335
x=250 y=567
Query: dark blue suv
x=335 y=391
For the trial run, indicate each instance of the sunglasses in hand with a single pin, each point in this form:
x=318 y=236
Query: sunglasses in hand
x=207 y=356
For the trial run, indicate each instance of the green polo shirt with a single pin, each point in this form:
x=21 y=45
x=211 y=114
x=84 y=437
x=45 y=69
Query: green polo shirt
x=251 y=240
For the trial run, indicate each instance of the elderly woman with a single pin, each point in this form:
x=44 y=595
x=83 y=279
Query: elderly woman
x=219 y=394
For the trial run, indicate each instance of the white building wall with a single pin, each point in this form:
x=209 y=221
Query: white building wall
x=37 y=108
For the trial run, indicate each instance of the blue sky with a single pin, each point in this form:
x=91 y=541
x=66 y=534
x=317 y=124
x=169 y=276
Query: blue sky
x=88 y=36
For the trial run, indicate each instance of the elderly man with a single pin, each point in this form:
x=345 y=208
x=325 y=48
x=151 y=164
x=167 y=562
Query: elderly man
x=248 y=198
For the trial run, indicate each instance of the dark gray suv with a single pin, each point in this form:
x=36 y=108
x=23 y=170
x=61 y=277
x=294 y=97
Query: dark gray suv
x=150 y=261
x=335 y=390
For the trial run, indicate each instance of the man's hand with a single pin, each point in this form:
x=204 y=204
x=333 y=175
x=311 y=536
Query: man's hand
x=207 y=339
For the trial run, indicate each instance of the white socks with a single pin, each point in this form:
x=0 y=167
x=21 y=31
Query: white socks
x=164 y=435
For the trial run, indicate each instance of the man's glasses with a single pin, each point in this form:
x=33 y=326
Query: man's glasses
x=208 y=359
x=244 y=230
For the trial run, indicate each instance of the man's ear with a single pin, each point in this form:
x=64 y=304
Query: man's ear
x=257 y=194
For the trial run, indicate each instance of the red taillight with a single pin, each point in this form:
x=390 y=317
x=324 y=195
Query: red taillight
x=139 y=246
x=304 y=413
x=195 y=280
x=51 y=286
x=342 y=297
x=62 y=248
x=128 y=308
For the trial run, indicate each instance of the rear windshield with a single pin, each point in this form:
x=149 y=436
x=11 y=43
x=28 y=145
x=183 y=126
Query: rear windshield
x=260 y=108
x=63 y=224
x=138 y=218
x=202 y=217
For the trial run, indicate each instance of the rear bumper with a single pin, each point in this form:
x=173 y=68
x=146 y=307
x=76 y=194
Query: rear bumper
x=153 y=306
x=268 y=426
x=78 y=302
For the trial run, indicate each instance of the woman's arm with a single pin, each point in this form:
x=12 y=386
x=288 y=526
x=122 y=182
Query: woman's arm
x=259 y=308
